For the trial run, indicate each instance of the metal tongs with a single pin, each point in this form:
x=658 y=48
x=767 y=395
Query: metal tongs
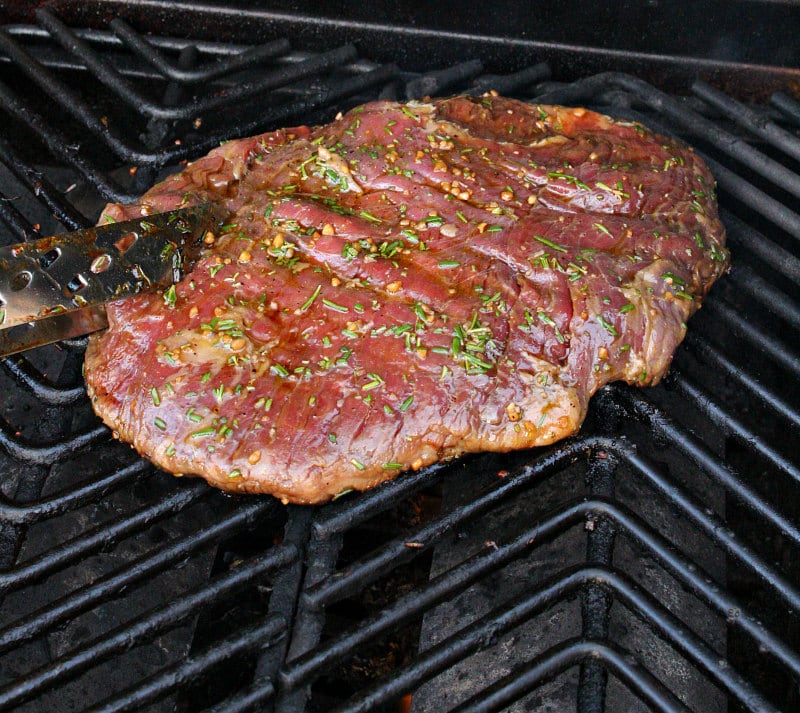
x=57 y=288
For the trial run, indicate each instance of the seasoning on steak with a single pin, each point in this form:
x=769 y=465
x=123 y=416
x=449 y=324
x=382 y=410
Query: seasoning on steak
x=408 y=283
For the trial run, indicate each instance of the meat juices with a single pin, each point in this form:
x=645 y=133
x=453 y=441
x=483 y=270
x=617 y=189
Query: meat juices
x=408 y=283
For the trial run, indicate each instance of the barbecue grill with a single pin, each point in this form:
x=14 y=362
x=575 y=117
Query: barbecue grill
x=649 y=563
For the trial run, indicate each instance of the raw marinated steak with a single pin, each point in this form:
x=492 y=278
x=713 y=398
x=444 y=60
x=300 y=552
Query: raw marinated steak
x=408 y=283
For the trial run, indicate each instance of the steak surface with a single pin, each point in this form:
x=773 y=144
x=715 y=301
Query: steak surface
x=406 y=284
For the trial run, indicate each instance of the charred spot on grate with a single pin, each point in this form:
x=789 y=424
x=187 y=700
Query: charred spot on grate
x=650 y=563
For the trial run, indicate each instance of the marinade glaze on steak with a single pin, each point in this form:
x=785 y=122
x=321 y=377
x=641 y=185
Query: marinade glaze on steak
x=405 y=284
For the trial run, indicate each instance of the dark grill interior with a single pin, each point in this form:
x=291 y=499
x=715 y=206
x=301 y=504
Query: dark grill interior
x=648 y=564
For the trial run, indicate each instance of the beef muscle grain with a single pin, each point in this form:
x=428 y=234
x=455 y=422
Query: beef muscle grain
x=406 y=284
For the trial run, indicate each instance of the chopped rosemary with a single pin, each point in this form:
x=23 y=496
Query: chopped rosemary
x=368 y=216
x=574 y=180
x=170 y=297
x=279 y=369
x=608 y=326
x=311 y=299
x=602 y=228
x=550 y=243
x=335 y=307
x=548 y=320
x=374 y=382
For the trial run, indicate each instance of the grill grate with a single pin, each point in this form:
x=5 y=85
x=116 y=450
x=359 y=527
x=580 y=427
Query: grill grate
x=648 y=563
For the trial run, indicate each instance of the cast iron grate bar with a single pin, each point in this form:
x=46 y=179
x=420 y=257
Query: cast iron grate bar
x=260 y=636
x=112 y=584
x=779 y=262
x=511 y=614
x=59 y=146
x=595 y=600
x=101 y=536
x=338 y=517
x=750 y=119
x=770 y=346
x=704 y=459
x=46 y=454
x=764 y=294
x=307 y=624
x=758 y=200
x=144 y=628
x=298 y=671
x=734 y=426
x=556 y=660
x=110 y=44
x=72 y=103
x=303 y=668
x=17 y=222
x=712 y=525
x=398 y=550
x=30 y=512
x=443 y=80
x=32 y=379
x=246 y=59
x=511 y=83
x=283 y=601
x=253 y=697
x=754 y=387
x=117 y=84
x=790 y=107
